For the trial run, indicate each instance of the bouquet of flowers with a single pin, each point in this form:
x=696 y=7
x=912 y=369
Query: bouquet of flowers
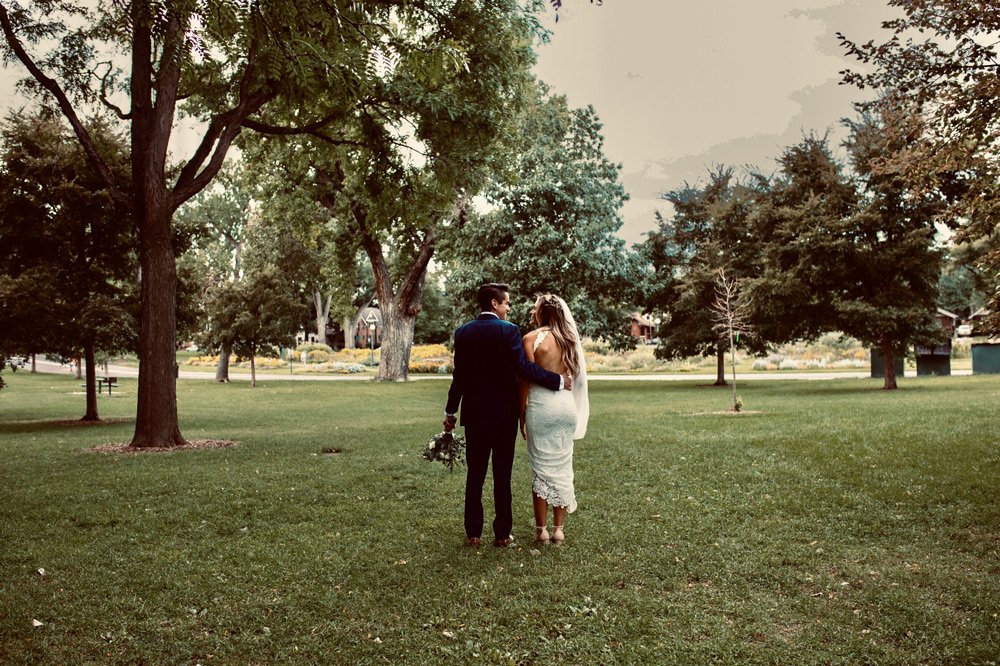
x=448 y=447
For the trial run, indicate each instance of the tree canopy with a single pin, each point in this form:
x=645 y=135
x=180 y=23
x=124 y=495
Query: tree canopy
x=552 y=224
x=941 y=62
x=67 y=268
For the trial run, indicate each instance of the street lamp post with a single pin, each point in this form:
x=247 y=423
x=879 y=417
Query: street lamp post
x=371 y=321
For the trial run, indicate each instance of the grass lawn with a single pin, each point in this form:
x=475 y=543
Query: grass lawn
x=838 y=524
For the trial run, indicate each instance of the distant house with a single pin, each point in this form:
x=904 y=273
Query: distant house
x=948 y=320
x=977 y=317
x=364 y=331
x=642 y=327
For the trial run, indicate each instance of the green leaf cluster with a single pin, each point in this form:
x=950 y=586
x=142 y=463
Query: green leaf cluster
x=553 y=223
x=68 y=270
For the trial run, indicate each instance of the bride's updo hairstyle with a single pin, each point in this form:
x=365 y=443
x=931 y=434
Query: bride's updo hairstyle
x=549 y=312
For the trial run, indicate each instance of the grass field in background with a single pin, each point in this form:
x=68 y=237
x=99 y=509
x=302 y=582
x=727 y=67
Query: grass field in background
x=833 y=523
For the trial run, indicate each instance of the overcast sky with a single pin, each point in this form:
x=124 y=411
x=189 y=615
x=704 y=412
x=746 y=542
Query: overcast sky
x=681 y=86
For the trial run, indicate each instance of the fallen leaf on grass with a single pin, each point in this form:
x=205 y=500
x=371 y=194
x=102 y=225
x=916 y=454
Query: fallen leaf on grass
x=41 y=572
x=36 y=623
x=448 y=634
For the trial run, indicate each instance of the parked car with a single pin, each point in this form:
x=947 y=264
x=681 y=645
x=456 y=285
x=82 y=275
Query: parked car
x=964 y=331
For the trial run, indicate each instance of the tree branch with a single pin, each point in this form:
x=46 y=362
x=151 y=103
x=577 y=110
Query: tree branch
x=309 y=130
x=221 y=132
x=98 y=162
x=104 y=93
x=264 y=128
x=370 y=243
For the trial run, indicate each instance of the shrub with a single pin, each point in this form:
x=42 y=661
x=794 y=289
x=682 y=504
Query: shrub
x=358 y=355
x=262 y=362
x=425 y=352
x=430 y=366
x=318 y=356
x=347 y=368
x=788 y=364
x=314 y=346
x=762 y=364
x=596 y=346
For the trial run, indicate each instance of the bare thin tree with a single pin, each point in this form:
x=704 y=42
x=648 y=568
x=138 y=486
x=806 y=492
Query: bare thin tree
x=731 y=314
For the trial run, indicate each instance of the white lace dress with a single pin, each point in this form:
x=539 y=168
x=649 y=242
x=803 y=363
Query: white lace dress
x=550 y=420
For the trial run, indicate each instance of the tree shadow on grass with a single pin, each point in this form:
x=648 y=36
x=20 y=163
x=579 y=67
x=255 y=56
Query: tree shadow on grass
x=44 y=425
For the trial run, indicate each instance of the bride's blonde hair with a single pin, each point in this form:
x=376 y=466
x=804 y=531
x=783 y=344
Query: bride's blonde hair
x=549 y=312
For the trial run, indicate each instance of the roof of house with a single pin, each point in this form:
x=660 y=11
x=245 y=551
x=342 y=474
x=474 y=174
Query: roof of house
x=947 y=314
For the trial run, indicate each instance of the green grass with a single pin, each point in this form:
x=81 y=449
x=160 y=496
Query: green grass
x=839 y=524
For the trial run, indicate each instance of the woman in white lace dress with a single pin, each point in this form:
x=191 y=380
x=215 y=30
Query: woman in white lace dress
x=551 y=420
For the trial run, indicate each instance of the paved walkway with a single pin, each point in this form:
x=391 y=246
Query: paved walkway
x=124 y=371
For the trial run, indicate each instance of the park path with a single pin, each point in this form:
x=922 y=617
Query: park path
x=125 y=371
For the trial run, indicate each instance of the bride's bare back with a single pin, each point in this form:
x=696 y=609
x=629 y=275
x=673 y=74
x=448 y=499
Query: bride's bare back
x=548 y=354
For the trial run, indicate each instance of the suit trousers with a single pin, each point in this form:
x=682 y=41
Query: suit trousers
x=496 y=440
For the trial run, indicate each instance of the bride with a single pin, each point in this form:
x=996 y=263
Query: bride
x=551 y=420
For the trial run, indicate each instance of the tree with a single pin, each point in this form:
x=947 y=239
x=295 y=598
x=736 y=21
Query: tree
x=731 y=311
x=797 y=221
x=219 y=218
x=297 y=234
x=852 y=255
x=941 y=61
x=890 y=293
x=253 y=316
x=226 y=64
x=553 y=225
x=405 y=164
x=708 y=231
x=960 y=289
x=67 y=269
x=436 y=322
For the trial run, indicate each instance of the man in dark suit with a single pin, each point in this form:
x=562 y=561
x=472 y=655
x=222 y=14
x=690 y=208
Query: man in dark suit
x=489 y=358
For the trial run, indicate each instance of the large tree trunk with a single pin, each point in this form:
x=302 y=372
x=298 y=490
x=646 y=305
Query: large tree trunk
x=890 y=370
x=33 y=369
x=397 y=340
x=156 y=423
x=348 y=325
x=222 y=369
x=322 y=309
x=720 y=366
x=91 y=382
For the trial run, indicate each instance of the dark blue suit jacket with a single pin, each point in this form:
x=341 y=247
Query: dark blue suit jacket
x=489 y=358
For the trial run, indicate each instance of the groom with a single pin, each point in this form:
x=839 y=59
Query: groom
x=489 y=358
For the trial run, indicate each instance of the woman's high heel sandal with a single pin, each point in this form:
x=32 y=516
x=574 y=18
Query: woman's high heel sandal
x=541 y=534
x=557 y=534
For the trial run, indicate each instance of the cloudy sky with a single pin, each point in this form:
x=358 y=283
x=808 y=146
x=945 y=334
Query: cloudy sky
x=682 y=86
